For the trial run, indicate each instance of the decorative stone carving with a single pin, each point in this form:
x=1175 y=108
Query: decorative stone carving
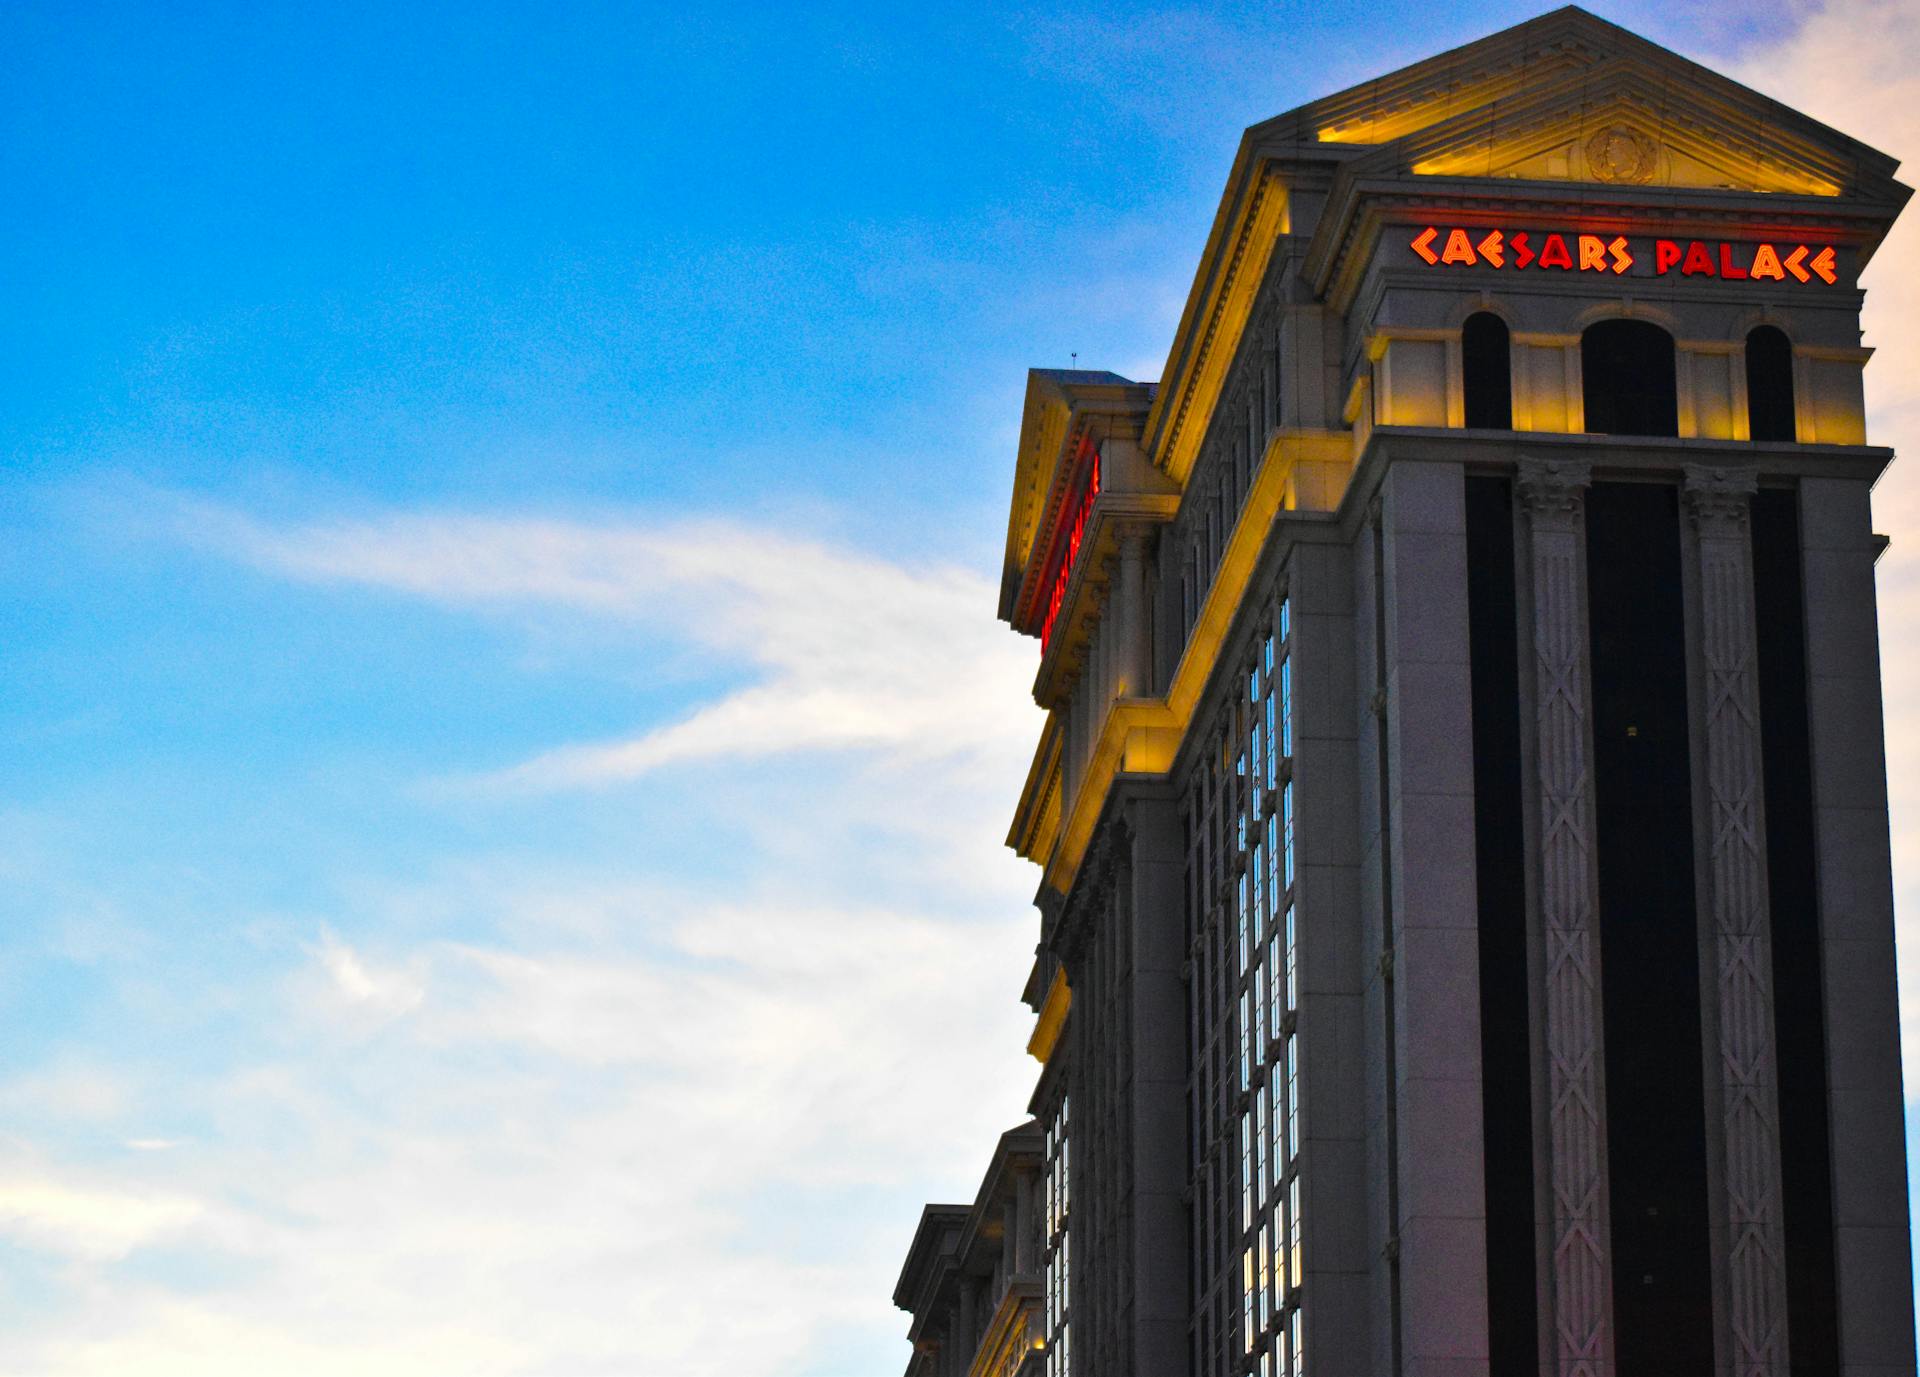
x=1554 y=496
x=1754 y=1262
x=1621 y=154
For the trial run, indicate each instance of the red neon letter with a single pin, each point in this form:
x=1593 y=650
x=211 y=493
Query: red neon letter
x=1553 y=253
x=1728 y=268
x=1522 y=251
x=1666 y=255
x=1458 y=250
x=1420 y=245
x=1794 y=260
x=1593 y=254
x=1823 y=265
x=1494 y=249
x=1766 y=263
x=1698 y=260
x=1622 y=260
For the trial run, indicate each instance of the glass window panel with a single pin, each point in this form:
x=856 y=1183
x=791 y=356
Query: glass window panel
x=1273 y=756
x=1293 y=1099
x=1246 y=1047
x=1295 y=1231
x=1286 y=706
x=1273 y=864
x=1293 y=962
x=1246 y=1299
x=1281 y=983
x=1286 y=810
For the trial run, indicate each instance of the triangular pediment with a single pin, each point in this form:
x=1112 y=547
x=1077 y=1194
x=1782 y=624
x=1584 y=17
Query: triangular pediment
x=1059 y=401
x=1631 y=121
x=1617 y=149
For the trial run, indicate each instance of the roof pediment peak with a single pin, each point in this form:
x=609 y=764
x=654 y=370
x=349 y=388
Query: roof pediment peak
x=1560 y=64
x=1628 y=120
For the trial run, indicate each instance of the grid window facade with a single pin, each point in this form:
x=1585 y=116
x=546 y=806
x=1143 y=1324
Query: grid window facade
x=1058 y=1189
x=1243 y=991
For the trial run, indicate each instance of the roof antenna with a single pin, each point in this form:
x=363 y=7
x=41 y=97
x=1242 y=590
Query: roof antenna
x=1075 y=358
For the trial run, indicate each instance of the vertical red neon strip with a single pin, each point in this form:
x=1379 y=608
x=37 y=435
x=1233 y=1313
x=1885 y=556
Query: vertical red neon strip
x=1063 y=572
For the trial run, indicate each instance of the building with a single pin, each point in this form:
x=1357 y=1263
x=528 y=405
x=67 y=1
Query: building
x=1466 y=936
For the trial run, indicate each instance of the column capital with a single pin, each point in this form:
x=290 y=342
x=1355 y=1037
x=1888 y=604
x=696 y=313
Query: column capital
x=1133 y=537
x=1553 y=489
x=1720 y=497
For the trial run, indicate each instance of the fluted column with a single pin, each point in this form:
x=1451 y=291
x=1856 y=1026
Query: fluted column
x=1751 y=1237
x=1580 y=1269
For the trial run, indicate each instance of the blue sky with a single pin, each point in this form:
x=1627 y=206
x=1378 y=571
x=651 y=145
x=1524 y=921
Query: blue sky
x=504 y=745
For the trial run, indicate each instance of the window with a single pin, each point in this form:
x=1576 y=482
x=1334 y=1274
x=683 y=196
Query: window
x=1628 y=380
x=1627 y=371
x=1770 y=414
x=1486 y=365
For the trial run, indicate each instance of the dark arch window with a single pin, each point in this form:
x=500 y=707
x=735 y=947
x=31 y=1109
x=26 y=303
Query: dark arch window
x=1627 y=372
x=1770 y=385
x=1486 y=368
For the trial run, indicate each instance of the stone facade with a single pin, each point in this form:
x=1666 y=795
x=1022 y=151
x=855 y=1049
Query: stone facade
x=1466 y=929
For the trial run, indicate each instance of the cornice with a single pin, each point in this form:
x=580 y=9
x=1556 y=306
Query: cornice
x=1036 y=820
x=1052 y=1018
x=1245 y=236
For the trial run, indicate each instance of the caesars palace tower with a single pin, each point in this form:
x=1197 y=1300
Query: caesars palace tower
x=1466 y=927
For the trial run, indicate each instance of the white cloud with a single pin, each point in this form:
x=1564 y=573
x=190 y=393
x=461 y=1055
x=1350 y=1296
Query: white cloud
x=696 y=1154
x=854 y=652
x=93 y=1224
x=70 y=1090
x=515 y=1112
x=387 y=993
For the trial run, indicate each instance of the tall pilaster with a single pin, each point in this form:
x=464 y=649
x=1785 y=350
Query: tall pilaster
x=1749 y=1215
x=1873 y=1250
x=1157 y=1031
x=1134 y=672
x=1553 y=493
x=1430 y=971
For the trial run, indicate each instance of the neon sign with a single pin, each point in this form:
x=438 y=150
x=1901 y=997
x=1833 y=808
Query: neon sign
x=1614 y=256
x=1066 y=549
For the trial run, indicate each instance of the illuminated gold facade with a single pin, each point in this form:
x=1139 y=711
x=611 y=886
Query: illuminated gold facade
x=1466 y=922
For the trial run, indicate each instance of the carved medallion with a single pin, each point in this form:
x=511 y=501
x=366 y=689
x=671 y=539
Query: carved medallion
x=1620 y=154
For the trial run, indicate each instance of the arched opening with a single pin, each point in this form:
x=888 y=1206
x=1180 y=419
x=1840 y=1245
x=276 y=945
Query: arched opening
x=1627 y=379
x=1770 y=385
x=1486 y=366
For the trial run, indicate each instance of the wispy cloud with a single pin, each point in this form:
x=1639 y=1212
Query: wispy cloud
x=520 y=1111
x=666 y=1162
x=852 y=652
x=86 y=1223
